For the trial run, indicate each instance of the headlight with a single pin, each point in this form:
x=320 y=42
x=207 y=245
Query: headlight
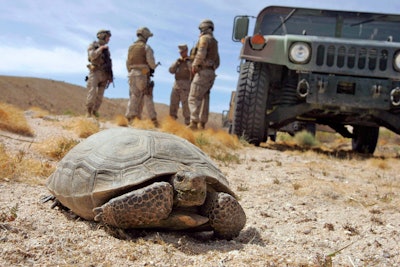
x=396 y=61
x=300 y=53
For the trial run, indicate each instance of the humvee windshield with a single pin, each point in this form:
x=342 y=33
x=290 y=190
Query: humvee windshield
x=339 y=24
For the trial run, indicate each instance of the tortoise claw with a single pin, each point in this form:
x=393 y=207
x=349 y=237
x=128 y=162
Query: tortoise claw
x=99 y=214
x=48 y=198
x=56 y=202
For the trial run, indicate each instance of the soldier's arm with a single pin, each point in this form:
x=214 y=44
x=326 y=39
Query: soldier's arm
x=150 y=58
x=201 y=52
x=174 y=66
x=216 y=64
x=94 y=53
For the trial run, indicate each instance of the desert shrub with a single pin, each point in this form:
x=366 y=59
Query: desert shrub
x=9 y=215
x=218 y=145
x=305 y=139
x=202 y=140
x=13 y=120
x=226 y=139
x=20 y=168
x=57 y=148
x=120 y=120
x=7 y=165
x=169 y=125
x=85 y=127
x=145 y=124
x=284 y=137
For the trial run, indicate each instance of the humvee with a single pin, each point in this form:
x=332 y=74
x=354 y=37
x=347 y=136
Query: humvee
x=317 y=66
x=227 y=115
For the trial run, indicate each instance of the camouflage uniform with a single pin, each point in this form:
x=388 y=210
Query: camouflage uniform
x=140 y=65
x=205 y=62
x=100 y=72
x=180 y=91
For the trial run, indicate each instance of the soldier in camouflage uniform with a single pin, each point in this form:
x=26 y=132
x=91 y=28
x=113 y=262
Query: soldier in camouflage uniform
x=205 y=62
x=180 y=91
x=141 y=65
x=100 y=72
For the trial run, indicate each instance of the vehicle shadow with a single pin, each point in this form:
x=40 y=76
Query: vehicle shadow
x=338 y=152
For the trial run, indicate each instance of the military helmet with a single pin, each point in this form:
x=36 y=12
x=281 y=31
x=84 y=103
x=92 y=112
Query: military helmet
x=145 y=32
x=182 y=47
x=206 y=24
x=101 y=34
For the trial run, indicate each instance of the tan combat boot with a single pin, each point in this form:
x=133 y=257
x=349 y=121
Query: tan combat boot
x=89 y=113
x=192 y=125
x=201 y=125
x=155 y=122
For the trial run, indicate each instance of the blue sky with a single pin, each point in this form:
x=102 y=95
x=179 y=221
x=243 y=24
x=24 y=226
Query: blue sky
x=49 y=38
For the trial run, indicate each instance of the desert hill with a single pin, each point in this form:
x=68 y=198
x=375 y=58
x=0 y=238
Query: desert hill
x=55 y=96
x=59 y=97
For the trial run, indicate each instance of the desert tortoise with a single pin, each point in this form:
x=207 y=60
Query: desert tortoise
x=131 y=178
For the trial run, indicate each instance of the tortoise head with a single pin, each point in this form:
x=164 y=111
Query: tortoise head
x=190 y=188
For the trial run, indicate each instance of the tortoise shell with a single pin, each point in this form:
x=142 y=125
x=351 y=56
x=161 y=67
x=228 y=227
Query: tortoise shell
x=118 y=160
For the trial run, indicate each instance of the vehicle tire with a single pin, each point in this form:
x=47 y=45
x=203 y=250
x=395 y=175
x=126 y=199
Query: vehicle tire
x=365 y=139
x=249 y=118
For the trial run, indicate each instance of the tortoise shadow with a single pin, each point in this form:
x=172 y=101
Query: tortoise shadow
x=188 y=242
x=191 y=243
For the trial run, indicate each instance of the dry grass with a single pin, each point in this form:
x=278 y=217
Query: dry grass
x=145 y=124
x=169 y=125
x=20 y=168
x=305 y=139
x=85 y=127
x=39 y=112
x=121 y=120
x=57 y=148
x=218 y=144
x=12 y=119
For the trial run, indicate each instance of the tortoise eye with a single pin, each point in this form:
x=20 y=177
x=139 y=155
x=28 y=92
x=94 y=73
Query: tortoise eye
x=179 y=177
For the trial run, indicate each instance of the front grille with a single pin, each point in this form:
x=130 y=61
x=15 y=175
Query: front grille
x=351 y=57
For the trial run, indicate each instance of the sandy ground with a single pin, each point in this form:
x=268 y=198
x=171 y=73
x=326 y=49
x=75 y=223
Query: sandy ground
x=303 y=207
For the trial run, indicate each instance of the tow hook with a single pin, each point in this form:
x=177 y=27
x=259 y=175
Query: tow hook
x=303 y=88
x=395 y=96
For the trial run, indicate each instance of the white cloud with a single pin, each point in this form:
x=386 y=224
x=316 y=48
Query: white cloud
x=36 y=60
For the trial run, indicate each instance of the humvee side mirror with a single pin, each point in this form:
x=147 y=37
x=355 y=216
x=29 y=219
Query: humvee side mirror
x=240 y=28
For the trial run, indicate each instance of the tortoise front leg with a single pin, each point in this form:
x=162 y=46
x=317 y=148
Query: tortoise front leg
x=147 y=205
x=226 y=216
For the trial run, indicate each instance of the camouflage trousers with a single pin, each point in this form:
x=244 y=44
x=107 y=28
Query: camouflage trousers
x=199 y=96
x=180 y=94
x=96 y=85
x=137 y=97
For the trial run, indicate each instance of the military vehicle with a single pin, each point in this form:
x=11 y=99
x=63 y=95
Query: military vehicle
x=227 y=115
x=316 y=66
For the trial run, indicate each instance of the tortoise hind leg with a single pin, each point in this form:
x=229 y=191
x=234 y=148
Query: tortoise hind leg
x=141 y=207
x=226 y=216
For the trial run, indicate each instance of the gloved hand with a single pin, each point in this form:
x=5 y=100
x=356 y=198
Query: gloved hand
x=195 y=69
